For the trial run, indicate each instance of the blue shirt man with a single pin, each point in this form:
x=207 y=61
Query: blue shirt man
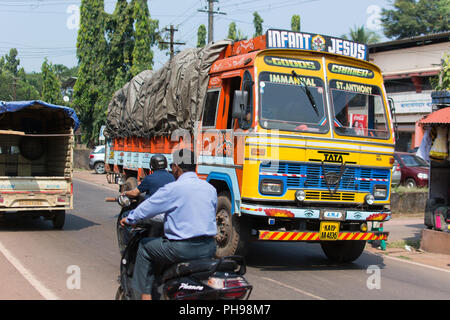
x=189 y=205
x=154 y=181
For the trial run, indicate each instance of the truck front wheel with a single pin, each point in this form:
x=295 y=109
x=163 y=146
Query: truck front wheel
x=231 y=236
x=343 y=251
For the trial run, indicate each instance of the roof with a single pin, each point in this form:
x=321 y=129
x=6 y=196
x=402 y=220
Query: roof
x=441 y=116
x=13 y=106
x=410 y=42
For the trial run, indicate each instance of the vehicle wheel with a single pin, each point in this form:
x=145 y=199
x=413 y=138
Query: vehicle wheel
x=120 y=295
x=410 y=183
x=99 y=168
x=231 y=235
x=58 y=219
x=130 y=184
x=343 y=251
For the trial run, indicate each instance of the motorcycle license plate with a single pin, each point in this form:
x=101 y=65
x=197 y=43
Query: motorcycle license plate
x=329 y=230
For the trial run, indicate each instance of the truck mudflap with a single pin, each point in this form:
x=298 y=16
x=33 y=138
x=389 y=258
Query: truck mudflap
x=315 y=236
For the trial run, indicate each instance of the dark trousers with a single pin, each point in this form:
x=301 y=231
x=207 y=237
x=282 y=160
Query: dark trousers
x=157 y=251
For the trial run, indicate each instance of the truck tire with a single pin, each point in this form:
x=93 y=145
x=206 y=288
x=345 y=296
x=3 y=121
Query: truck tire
x=232 y=233
x=343 y=251
x=59 y=219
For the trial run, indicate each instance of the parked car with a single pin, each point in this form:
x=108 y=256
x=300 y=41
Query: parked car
x=97 y=159
x=396 y=174
x=414 y=170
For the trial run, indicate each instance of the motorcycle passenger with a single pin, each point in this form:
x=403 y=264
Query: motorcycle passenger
x=154 y=181
x=189 y=205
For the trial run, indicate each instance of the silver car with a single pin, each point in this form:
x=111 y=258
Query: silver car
x=396 y=174
x=97 y=159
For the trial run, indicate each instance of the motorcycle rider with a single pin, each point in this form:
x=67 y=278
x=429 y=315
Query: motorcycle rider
x=189 y=205
x=154 y=181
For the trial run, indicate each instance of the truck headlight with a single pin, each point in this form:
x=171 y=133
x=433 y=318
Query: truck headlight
x=422 y=176
x=380 y=192
x=271 y=186
x=300 y=195
x=369 y=199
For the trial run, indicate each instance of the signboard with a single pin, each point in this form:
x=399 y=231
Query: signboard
x=359 y=123
x=412 y=102
x=284 y=39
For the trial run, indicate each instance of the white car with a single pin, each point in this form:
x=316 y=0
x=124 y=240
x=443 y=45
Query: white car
x=97 y=159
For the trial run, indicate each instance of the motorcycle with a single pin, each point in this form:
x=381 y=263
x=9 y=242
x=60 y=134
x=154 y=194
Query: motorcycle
x=202 y=279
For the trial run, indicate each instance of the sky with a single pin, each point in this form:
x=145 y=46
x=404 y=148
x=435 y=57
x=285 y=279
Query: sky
x=42 y=29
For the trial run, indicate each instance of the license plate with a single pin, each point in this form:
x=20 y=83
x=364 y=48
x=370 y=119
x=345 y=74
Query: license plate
x=329 y=230
x=31 y=203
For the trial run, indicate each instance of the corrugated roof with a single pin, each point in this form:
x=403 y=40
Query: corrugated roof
x=441 y=116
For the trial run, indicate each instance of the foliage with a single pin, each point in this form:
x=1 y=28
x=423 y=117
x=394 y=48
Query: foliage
x=362 y=35
x=91 y=96
x=257 y=22
x=235 y=35
x=410 y=18
x=51 y=88
x=145 y=30
x=442 y=81
x=201 y=36
x=295 y=23
x=14 y=84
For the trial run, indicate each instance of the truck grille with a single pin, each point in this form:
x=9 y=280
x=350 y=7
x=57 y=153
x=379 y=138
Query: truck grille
x=311 y=176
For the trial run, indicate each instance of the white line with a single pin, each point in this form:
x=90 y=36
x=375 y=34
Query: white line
x=295 y=289
x=96 y=185
x=410 y=262
x=46 y=293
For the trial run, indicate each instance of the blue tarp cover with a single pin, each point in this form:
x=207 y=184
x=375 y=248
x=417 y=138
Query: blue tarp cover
x=13 y=106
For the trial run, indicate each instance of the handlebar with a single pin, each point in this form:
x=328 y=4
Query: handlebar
x=111 y=199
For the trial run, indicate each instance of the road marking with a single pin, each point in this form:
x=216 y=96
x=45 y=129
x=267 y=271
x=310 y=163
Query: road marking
x=44 y=292
x=292 y=288
x=97 y=185
x=411 y=262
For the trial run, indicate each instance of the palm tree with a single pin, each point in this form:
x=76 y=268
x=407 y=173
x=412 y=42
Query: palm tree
x=362 y=35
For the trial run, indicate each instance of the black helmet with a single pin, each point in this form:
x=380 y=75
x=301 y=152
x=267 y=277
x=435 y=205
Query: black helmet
x=158 y=161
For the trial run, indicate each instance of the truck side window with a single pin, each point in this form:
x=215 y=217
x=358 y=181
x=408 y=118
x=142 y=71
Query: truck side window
x=247 y=85
x=210 y=109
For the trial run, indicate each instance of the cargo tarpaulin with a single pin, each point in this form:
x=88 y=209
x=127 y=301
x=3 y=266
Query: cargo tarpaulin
x=157 y=103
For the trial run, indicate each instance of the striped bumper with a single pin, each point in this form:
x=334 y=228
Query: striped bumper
x=314 y=236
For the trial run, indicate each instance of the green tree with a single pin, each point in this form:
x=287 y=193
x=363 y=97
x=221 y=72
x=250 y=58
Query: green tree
x=295 y=23
x=232 y=31
x=442 y=81
x=11 y=63
x=410 y=18
x=257 y=23
x=51 y=87
x=120 y=35
x=201 y=36
x=145 y=36
x=362 y=35
x=91 y=91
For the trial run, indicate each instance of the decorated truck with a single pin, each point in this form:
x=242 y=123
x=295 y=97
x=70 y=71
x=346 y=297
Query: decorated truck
x=36 y=156
x=293 y=129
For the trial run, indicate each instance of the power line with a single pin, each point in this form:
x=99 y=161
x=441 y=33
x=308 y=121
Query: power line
x=171 y=42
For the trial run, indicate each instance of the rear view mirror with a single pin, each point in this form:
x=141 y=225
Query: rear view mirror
x=239 y=103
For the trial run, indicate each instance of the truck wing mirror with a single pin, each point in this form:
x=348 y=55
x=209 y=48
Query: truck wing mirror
x=239 y=104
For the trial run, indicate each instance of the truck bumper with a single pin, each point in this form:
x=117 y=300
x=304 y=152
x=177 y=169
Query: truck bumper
x=314 y=236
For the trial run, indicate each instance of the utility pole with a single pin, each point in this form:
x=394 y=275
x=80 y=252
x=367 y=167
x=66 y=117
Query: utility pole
x=211 y=14
x=171 y=42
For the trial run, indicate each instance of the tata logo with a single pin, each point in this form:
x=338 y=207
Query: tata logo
x=332 y=214
x=333 y=157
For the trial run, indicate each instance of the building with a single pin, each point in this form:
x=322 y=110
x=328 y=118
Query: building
x=407 y=66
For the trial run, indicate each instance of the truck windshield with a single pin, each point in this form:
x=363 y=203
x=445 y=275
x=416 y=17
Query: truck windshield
x=292 y=102
x=358 y=110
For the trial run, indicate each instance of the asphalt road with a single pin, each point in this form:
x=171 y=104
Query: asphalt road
x=81 y=262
